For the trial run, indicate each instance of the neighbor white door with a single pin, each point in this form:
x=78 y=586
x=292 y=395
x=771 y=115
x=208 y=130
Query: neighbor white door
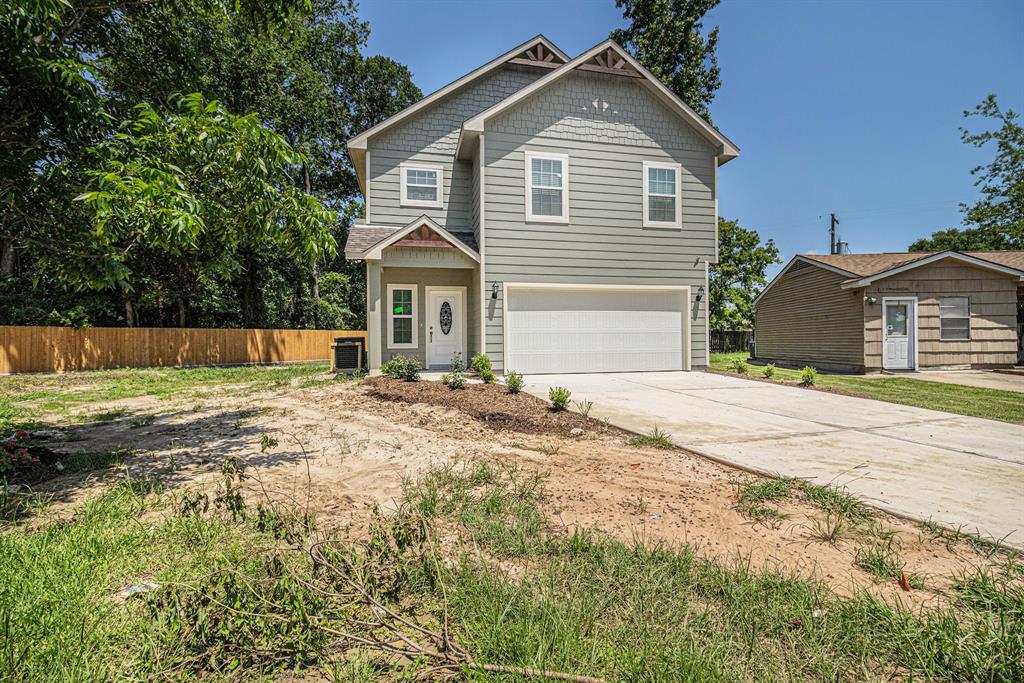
x=898 y=326
x=445 y=326
x=556 y=330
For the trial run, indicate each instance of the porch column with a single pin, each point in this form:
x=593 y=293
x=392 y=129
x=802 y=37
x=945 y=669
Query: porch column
x=373 y=313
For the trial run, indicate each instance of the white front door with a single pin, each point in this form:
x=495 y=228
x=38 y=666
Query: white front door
x=898 y=326
x=445 y=326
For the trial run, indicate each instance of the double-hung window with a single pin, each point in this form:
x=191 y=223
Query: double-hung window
x=422 y=185
x=662 y=195
x=954 y=318
x=402 y=316
x=547 y=187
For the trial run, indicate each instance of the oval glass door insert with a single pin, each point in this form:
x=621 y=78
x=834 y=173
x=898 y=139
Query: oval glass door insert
x=446 y=318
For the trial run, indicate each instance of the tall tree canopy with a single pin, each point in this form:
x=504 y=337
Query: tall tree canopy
x=296 y=64
x=996 y=220
x=667 y=37
x=738 y=276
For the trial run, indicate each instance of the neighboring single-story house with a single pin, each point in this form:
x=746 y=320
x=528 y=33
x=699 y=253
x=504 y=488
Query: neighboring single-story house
x=893 y=311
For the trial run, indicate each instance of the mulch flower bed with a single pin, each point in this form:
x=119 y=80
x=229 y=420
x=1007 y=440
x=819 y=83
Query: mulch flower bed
x=44 y=465
x=488 y=403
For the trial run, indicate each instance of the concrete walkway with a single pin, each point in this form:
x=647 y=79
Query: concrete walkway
x=963 y=472
x=983 y=379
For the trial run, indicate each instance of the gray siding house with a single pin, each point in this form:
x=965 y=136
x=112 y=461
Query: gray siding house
x=558 y=214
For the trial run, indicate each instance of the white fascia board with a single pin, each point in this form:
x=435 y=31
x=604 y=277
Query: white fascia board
x=955 y=255
x=727 y=150
x=359 y=141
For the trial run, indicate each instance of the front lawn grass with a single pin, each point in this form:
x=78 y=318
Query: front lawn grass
x=25 y=399
x=239 y=599
x=993 y=404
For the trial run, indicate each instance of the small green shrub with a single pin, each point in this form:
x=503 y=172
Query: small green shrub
x=402 y=367
x=769 y=370
x=456 y=379
x=487 y=375
x=480 y=364
x=740 y=366
x=514 y=382
x=656 y=439
x=559 y=398
x=807 y=376
x=457 y=364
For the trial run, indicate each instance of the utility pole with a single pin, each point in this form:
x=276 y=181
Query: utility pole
x=832 y=233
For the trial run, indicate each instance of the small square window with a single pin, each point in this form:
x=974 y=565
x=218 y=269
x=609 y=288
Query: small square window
x=422 y=185
x=954 y=318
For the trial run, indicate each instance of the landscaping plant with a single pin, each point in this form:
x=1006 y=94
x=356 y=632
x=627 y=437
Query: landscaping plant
x=769 y=370
x=514 y=382
x=402 y=367
x=14 y=452
x=480 y=364
x=740 y=366
x=559 y=398
x=808 y=376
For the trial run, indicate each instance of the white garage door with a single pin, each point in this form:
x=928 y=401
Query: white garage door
x=555 y=330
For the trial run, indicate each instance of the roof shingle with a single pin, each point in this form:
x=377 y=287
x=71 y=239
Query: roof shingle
x=866 y=265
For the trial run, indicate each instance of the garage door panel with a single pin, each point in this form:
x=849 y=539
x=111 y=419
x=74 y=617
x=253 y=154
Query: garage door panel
x=569 y=330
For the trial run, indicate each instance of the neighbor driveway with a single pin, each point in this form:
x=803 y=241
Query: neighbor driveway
x=961 y=471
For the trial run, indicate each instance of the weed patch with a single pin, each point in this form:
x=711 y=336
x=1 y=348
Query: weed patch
x=656 y=439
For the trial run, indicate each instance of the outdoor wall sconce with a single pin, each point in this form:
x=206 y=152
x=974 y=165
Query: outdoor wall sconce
x=494 y=290
x=700 y=293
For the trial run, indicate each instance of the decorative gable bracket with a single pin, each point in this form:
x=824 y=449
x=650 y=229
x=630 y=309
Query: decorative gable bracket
x=423 y=236
x=538 y=55
x=609 y=61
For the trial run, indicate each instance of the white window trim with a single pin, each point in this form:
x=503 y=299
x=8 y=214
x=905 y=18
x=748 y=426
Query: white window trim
x=968 y=318
x=415 y=317
x=528 y=167
x=416 y=166
x=678 y=168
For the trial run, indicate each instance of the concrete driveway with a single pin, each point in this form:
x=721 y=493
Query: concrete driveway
x=963 y=472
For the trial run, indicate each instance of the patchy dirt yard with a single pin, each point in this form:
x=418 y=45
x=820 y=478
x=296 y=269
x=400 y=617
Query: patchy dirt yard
x=340 y=448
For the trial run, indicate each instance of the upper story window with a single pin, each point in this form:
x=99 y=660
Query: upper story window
x=422 y=185
x=954 y=318
x=547 y=187
x=662 y=195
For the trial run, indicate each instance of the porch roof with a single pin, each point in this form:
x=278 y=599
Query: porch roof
x=363 y=239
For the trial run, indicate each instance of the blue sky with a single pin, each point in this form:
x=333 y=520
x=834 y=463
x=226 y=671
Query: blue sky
x=851 y=107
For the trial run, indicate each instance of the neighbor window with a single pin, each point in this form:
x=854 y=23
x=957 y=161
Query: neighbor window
x=547 y=189
x=401 y=316
x=661 y=195
x=422 y=185
x=954 y=318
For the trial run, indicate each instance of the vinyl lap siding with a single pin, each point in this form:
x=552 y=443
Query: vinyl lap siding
x=993 y=305
x=431 y=136
x=608 y=125
x=807 y=318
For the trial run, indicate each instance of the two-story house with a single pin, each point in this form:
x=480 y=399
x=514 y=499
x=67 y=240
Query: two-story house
x=558 y=214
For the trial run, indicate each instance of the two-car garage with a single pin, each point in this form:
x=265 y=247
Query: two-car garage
x=595 y=328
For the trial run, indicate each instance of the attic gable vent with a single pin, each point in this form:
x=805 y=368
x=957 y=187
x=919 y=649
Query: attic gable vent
x=610 y=61
x=538 y=55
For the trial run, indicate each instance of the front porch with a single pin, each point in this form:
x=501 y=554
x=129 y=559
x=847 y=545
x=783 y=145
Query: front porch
x=422 y=294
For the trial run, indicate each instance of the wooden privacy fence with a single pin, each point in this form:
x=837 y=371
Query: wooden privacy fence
x=728 y=341
x=61 y=349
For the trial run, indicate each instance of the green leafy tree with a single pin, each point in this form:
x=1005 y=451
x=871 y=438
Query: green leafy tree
x=667 y=37
x=996 y=220
x=196 y=187
x=738 y=276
